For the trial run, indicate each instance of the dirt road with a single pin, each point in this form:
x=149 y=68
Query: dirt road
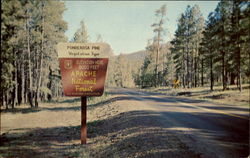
x=208 y=129
x=130 y=123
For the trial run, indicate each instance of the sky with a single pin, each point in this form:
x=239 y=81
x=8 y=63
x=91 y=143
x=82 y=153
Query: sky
x=126 y=25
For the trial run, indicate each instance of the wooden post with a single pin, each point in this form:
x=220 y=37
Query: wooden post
x=84 y=120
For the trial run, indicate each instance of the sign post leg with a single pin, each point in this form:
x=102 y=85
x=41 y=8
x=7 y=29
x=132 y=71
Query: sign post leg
x=83 y=120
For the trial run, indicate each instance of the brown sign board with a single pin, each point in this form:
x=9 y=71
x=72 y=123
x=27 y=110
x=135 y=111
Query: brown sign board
x=83 y=68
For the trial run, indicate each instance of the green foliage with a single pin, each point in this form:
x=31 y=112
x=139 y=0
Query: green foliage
x=10 y=25
x=216 y=52
x=186 y=44
x=30 y=31
x=224 y=42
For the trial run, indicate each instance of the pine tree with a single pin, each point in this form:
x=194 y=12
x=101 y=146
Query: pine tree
x=244 y=39
x=159 y=31
x=11 y=25
x=208 y=48
x=178 y=50
x=148 y=68
x=186 y=46
x=81 y=35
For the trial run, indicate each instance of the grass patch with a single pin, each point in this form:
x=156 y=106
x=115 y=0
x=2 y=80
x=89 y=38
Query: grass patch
x=230 y=96
x=92 y=126
x=97 y=100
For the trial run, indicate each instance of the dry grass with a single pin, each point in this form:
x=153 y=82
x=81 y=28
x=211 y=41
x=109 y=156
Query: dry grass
x=232 y=96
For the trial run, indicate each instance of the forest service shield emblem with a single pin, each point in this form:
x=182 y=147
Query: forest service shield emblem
x=68 y=64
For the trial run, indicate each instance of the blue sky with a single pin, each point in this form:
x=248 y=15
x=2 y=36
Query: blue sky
x=126 y=25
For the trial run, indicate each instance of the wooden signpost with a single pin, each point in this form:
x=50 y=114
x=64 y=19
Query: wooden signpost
x=83 y=69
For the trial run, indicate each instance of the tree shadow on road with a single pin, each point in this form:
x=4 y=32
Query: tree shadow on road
x=21 y=110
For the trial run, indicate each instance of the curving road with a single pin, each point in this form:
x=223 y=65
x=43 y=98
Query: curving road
x=212 y=130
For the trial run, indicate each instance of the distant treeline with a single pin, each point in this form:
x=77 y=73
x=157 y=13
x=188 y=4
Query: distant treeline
x=202 y=52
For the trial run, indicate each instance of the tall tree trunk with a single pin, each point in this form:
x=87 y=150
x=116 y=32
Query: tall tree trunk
x=14 y=92
x=41 y=61
x=192 y=71
x=211 y=73
x=236 y=4
x=232 y=79
x=6 y=99
x=188 y=60
x=49 y=96
x=202 y=72
x=183 y=81
x=239 y=69
x=163 y=61
x=1 y=80
x=195 y=72
x=23 y=84
x=2 y=98
x=188 y=71
x=226 y=75
x=223 y=71
x=39 y=80
x=157 y=60
x=19 y=81
x=223 y=56
x=16 y=87
x=30 y=91
x=26 y=90
x=183 y=68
